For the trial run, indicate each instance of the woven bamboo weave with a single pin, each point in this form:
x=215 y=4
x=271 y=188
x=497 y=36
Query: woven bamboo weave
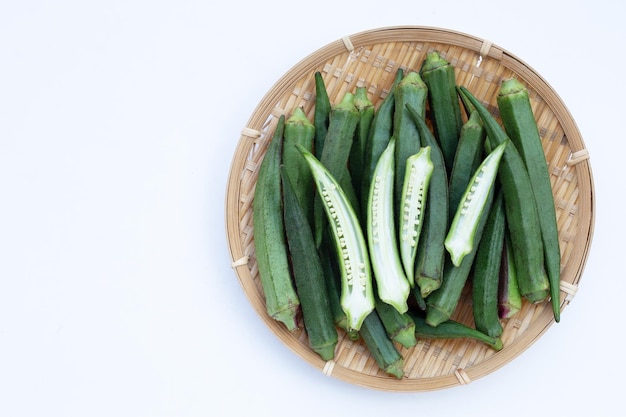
x=371 y=59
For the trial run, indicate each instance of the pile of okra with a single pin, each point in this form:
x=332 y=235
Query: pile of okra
x=374 y=220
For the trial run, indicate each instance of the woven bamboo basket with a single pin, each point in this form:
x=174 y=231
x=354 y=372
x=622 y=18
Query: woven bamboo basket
x=371 y=58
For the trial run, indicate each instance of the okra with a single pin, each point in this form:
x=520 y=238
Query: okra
x=321 y=113
x=452 y=329
x=442 y=302
x=337 y=144
x=520 y=125
x=391 y=282
x=332 y=277
x=308 y=275
x=399 y=326
x=410 y=90
x=521 y=211
x=299 y=129
x=366 y=110
x=469 y=154
x=509 y=298
x=357 y=297
x=414 y=198
x=439 y=76
x=486 y=274
x=272 y=254
x=460 y=238
x=430 y=256
x=381 y=130
x=384 y=352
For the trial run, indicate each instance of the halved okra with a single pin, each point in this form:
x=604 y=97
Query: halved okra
x=460 y=238
x=357 y=296
x=418 y=171
x=392 y=284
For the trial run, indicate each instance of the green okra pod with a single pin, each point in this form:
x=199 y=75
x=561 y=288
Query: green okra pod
x=520 y=125
x=321 y=113
x=442 y=303
x=410 y=90
x=271 y=251
x=308 y=275
x=439 y=76
x=509 y=298
x=366 y=110
x=431 y=253
x=299 y=130
x=381 y=130
x=469 y=154
x=343 y=120
x=486 y=272
x=399 y=326
x=521 y=211
x=382 y=348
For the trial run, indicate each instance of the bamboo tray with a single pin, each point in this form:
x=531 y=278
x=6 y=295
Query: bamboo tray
x=371 y=58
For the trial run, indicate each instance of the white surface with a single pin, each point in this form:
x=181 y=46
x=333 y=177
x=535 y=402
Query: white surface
x=118 y=121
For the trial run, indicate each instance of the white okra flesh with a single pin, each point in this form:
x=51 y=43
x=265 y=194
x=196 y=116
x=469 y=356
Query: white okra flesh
x=419 y=169
x=460 y=238
x=391 y=282
x=357 y=297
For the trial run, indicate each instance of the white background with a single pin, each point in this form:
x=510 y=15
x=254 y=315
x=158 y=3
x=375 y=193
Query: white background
x=118 y=122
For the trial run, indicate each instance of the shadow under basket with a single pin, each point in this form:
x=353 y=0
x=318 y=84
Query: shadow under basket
x=371 y=59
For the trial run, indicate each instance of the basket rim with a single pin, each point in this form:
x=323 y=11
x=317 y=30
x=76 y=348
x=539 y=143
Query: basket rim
x=400 y=34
